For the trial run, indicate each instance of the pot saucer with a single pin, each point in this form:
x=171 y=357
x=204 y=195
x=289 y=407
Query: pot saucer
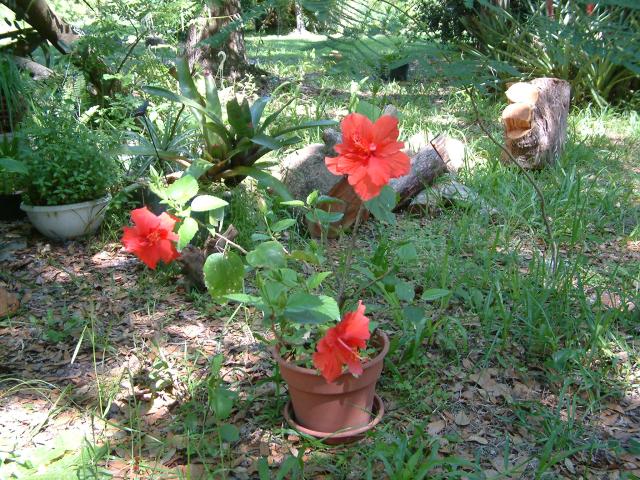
x=340 y=437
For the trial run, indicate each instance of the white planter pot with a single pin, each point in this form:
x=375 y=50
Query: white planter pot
x=63 y=222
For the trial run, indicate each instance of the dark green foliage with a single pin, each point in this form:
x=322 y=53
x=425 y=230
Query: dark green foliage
x=67 y=161
x=12 y=87
x=445 y=19
x=597 y=53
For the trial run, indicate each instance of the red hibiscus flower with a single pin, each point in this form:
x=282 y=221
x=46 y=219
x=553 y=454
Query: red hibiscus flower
x=152 y=238
x=590 y=8
x=340 y=345
x=369 y=154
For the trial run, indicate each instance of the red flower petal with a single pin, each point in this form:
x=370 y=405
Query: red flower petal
x=340 y=345
x=152 y=238
x=369 y=154
x=144 y=220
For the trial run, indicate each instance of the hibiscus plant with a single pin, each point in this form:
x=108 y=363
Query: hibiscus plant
x=304 y=304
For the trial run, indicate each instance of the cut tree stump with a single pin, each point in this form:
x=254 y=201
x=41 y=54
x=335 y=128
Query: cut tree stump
x=535 y=121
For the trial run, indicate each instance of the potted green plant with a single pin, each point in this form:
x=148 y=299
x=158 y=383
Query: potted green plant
x=70 y=176
x=328 y=352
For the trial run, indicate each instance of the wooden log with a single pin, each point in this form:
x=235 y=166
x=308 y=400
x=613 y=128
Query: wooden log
x=535 y=121
x=443 y=155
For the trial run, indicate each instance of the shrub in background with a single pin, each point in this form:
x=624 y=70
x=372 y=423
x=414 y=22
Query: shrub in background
x=596 y=52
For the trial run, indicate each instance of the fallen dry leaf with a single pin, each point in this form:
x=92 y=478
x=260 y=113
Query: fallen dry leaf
x=477 y=439
x=9 y=303
x=462 y=419
x=435 y=427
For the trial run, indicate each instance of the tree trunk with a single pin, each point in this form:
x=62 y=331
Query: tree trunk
x=40 y=16
x=535 y=121
x=50 y=27
x=300 y=27
x=225 y=54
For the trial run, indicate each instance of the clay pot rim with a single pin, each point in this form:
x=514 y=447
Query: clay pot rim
x=309 y=371
x=342 y=436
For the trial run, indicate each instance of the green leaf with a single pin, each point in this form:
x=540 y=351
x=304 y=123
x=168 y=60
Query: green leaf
x=369 y=110
x=316 y=279
x=406 y=252
x=12 y=165
x=305 y=308
x=382 y=206
x=204 y=203
x=283 y=224
x=264 y=179
x=256 y=110
x=266 y=141
x=212 y=97
x=183 y=189
x=229 y=433
x=187 y=85
x=239 y=117
x=293 y=203
x=263 y=469
x=186 y=232
x=267 y=254
x=405 y=291
x=324 y=217
x=198 y=167
x=223 y=274
x=305 y=256
x=305 y=125
x=312 y=198
x=221 y=402
x=243 y=298
x=434 y=294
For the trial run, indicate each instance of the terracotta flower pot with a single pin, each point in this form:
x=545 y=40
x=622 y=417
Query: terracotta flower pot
x=342 y=406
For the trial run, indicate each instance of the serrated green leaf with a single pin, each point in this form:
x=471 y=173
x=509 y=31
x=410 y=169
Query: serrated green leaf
x=204 y=203
x=268 y=254
x=405 y=291
x=369 y=110
x=223 y=274
x=305 y=308
x=183 y=189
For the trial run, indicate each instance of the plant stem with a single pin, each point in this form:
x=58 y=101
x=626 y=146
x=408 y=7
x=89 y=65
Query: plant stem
x=347 y=262
x=528 y=176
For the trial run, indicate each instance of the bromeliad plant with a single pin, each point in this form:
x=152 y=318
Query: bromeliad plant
x=231 y=147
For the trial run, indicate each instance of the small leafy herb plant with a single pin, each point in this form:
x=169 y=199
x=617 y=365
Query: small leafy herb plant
x=67 y=161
